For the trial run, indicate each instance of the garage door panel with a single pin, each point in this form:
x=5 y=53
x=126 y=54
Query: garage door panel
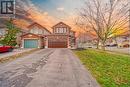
x=30 y=43
x=57 y=44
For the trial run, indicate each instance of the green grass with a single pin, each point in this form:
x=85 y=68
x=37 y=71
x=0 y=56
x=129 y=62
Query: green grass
x=110 y=70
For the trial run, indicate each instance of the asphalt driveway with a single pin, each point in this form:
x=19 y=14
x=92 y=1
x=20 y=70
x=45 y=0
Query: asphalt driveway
x=46 y=68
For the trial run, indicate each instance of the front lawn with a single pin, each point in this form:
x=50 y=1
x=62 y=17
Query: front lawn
x=110 y=70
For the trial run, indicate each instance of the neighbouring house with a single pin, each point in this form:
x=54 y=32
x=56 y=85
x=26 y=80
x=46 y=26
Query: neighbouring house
x=3 y=31
x=122 y=40
x=86 y=39
x=39 y=37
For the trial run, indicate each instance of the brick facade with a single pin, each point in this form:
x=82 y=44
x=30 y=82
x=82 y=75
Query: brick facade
x=61 y=37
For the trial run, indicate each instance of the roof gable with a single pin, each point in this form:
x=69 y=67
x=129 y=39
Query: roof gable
x=38 y=25
x=30 y=34
x=61 y=24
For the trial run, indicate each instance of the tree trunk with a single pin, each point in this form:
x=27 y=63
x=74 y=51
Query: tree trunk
x=97 y=44
x=103 y=45
x=116 y=41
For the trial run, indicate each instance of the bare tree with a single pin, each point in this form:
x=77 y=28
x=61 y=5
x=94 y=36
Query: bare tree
x=104 y=17
x=85 y=29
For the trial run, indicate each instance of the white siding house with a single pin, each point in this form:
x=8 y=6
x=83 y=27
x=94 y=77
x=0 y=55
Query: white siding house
x=2 y=32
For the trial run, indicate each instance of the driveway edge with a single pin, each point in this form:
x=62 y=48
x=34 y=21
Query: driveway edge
x=88 y=73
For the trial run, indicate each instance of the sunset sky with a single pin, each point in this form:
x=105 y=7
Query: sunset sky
x=59 y=9
x=50 y=12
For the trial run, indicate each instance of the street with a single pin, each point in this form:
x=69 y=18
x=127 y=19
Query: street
x=46 y=68
x=119 y=50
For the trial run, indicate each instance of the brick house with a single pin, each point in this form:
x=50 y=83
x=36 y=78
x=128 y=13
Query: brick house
x=39 y=37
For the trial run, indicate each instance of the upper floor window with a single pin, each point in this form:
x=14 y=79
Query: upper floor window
x=65 y=30
x=61 y=30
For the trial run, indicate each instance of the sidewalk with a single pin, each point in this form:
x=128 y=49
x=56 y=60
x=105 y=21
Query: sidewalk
x=15 y=51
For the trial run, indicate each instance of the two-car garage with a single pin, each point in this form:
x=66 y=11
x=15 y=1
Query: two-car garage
x=57 y=44
x=58 y=41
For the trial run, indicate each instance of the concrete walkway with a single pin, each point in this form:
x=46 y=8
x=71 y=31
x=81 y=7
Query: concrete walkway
x=46 y=68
